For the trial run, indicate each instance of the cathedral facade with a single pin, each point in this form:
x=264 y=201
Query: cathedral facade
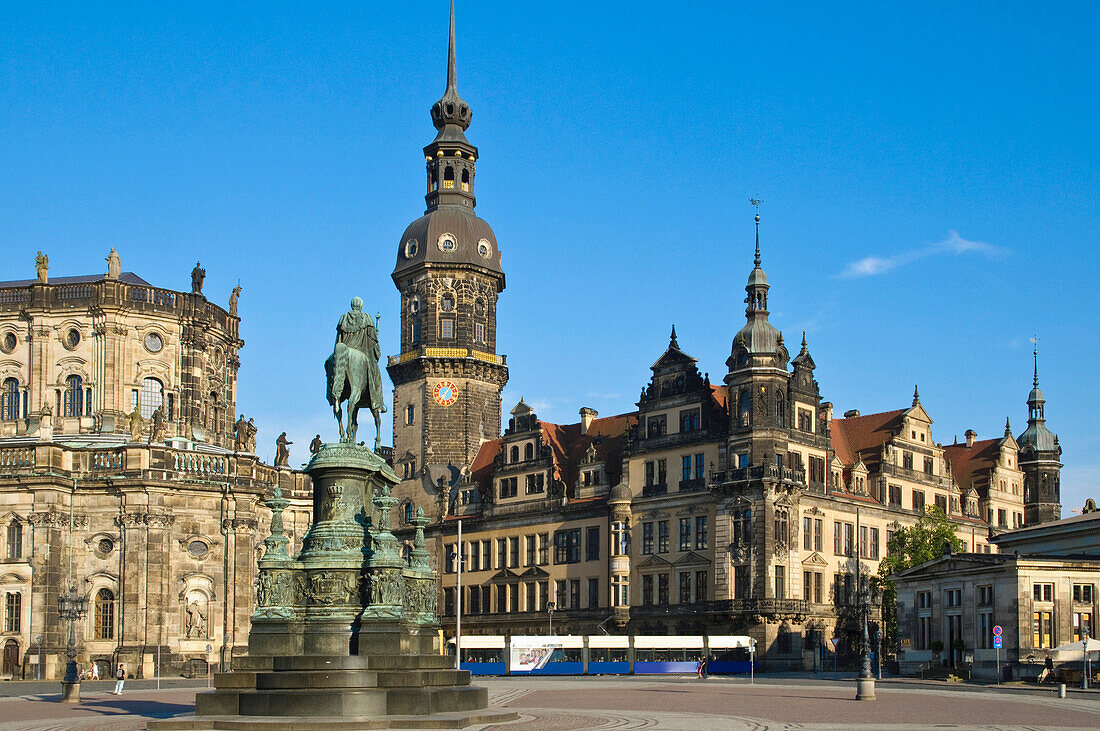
x=121 y=475
x=742 y=506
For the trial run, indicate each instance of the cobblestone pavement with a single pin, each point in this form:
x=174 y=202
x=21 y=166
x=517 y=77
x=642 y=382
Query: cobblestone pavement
x=551 y=704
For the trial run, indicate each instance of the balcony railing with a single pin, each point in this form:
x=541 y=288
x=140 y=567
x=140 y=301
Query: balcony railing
x=759 y=472
x=655 y=490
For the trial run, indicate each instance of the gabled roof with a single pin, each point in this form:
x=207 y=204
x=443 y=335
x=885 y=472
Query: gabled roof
x=970 y=463
x=858 y=433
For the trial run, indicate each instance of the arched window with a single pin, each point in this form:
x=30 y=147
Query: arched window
x=15 y=539
x=215 y=412
x=415 y=326
x=9 y=399
x=74 y=396
x=514 y=454
x=466 y=180
x=528 y=451
x=151 y=398
x=746 y=408
x=448 y=177
x=104 y=617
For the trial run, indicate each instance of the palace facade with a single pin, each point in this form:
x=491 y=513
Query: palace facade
x=120 y=476
x=740 y=506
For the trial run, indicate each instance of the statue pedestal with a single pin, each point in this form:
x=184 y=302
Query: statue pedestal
x=346 y=634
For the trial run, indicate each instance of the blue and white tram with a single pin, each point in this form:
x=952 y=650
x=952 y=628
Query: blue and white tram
x=603 y=654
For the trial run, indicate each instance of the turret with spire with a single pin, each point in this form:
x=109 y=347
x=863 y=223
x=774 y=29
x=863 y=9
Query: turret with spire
x=1040 y=456
x=758 y=342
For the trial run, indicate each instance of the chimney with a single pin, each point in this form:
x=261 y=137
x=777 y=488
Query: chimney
x=587 y=417
x=850 y=414
x=970 y=435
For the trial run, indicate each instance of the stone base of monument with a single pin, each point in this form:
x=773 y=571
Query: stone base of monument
x=346 y=634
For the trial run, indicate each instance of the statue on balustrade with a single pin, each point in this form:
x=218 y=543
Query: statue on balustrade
x=42 y=265
x=353 y=374
x=198 y=274
x=233 y=300
x=114 y=264
x=282 y=453
x=137 y=425
x=156 y=432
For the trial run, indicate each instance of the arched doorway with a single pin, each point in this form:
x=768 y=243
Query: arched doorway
x=11 y=658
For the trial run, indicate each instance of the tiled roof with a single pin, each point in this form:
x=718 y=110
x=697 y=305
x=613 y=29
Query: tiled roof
x=968 y=463
x=858 y=433
x=125 y=277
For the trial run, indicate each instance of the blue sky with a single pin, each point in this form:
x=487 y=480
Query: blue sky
x=929 y=175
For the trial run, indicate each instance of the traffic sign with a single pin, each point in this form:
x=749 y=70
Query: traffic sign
x=996 y=642
x=835 y=641
x=997 y=631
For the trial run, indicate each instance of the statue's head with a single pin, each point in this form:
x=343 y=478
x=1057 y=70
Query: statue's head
x=356 y=304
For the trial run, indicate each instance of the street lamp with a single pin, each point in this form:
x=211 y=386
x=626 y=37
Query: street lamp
x=71 y=607
x=550 y=606
x=868 y=598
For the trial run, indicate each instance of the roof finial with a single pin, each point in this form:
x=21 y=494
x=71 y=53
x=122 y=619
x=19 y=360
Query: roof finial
x=1008 y=427
x=756 y=202
x=916 y=396
x=672 y=339
x=452 y=68
x=803 y=339
x=1035 y=356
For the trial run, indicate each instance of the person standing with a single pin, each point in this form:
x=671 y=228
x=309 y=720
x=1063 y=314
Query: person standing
x=120 y=678
x=95 y=667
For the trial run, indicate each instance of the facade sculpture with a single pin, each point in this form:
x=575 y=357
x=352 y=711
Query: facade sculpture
x=42 y=266
x=114 y=264
x=198 y=274
x=282 y=453
x=233 y=300
x=137 y=425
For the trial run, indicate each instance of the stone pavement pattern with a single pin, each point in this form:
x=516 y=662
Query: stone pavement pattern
x=565 y=704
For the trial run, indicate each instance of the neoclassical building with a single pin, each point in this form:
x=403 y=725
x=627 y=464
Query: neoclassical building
x=741 y=504
x=120 y=475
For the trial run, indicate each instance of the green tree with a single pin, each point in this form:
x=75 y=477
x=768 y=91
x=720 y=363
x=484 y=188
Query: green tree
x=908 y=547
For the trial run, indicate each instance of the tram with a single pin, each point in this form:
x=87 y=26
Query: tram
x=604 y=654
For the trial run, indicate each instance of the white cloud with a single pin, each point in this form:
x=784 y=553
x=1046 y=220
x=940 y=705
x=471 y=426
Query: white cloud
x=870 y=266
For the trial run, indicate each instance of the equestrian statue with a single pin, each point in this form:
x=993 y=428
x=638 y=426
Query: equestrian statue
x=352 y=372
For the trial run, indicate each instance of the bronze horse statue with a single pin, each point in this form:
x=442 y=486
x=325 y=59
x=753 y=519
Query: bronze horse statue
x=351 y=376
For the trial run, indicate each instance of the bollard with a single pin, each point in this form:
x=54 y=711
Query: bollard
x=1061 y=690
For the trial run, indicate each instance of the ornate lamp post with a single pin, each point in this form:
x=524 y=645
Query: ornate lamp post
x=868 y=598
x=71 y=607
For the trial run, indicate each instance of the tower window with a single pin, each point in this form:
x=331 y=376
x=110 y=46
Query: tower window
x=152 y=396
x=448 y=177
x=410 y=412
x=447 y=328
x=9 y=399
x=414 y=335
x=74 y=396
x=466 y=180
x=479 y=332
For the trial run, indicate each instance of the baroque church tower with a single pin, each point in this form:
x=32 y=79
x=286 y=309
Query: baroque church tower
x=1040 y=456
x=448 y=377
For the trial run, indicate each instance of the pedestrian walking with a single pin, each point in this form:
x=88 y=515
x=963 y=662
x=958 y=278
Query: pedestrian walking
x=703 y=669
x=120 y=678
x=95 y=671
x=699 y=668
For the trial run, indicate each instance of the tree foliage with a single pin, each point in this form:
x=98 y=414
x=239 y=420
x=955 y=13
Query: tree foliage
x=908 y=547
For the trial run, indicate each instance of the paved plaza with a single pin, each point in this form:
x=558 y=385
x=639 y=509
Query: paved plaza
x=635 y=703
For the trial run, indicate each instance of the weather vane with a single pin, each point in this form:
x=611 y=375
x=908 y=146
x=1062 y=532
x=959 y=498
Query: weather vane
x=755 y=202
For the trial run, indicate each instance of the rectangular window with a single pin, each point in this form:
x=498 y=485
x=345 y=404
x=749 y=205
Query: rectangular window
x=446 y=328
x=532 y=550
x=662 y=536
x=689 y=420
x=700 y=466
x=449 y=602
x=702 y=542
x=700 y=586
x=544 y=549
x=807 y=534
x=502 y=553
x=1082 y=593
x=1042 y=629
x=593 y=593
x=941 y=502
x=656 y=426
x=685 y=534
x=907 y=460
x=561 y=593
x=819 y=581
x=685 y=467
x=650 y=473
x=924 y=600
x=513 y=552
x=838 y=537
x=918 y=500
x=985 y=595
x=15 y=539
x=874 y=543
x=924 y=633
x=952 y=597
x=13 y=611
x=1043 y=592
x=780 y=582
x=530 y=597
x=1002 y=518
x=647 y=538
x=817 y=470
x=475 y=557
x=574 y=593
x=684 y=581
x=662 y=472
x=647 y=589
x=818 y=534
x=929 y=466
x=742 y=588
x=807 y=586
x=985 y=630
x=1082 y=625
x=544 y=594
x=592 y=543
x=479 y=332
x=849 y=531
x=662 y=588
x=567 y=546
x=863 y=541
x=449 y=562
x=473 y=605
x=895 y=495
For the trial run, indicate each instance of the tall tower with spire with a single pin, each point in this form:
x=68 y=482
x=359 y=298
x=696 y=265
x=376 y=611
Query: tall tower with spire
x=1040 y=459
x=448 y=376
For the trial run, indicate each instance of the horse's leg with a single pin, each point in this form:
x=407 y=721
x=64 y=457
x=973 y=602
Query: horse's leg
x=377 y=428
x=339 y=419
